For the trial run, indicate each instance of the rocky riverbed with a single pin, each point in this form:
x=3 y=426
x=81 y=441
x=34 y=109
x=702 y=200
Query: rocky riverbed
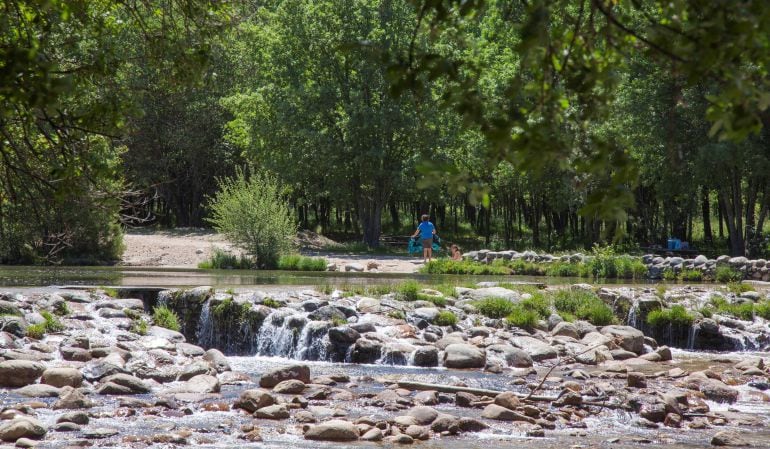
x=299 y=368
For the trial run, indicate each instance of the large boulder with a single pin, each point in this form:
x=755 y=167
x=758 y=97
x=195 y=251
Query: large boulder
x=200 y=384
x=278 y=375
x=493 y=292
x=626 y=337
x=122 y=384
x=62 y=377
x=462 y=355
x=253 y=400
x=217 y=360
x=537 y=349
x=425 y=356
x=334 y=430
x=18 y=373
x=14 y=325
x=512 y=356
x=24 y=427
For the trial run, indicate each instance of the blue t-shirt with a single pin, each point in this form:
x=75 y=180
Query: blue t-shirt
x=426 y=230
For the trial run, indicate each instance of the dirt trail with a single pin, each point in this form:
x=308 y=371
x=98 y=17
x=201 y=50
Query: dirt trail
x=186 y=248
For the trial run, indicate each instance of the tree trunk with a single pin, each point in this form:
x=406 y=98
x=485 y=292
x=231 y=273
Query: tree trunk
x=733 y=229
x=370 y=215
x=706 y=211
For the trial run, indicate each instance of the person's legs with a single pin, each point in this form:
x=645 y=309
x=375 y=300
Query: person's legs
x=426 y=249
x=430 y=254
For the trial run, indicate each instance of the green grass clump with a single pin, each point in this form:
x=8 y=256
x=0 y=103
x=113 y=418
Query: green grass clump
x=739 y=287
x=408 y=291
x=162 y=316
x=563 y=269
x=446 y=318
x=295 y=262
x=223 y=260
x=439 y=301
x=660 y=291
x=61 y=309
x=36 y=331
x=446 y=289
x=583 y=305
x=743 y=311
x=132 y=314
x=494 y=307
x=270 y=302
x=762 y=309
x=691 y=275
x=522 y=317
x=449 y=266
x=50 y=324
x=669 y=274
x=337 y=321
x=139 y=326
x=523 y=267
x=109 y=291
x=677 y=315
x=397 y=314
x=727 y=274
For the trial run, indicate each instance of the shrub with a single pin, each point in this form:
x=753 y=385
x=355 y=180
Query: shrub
x=494 y=307
x=522 y=317
x=446 y=318
x=669 y=274
x=523 y=267
x=727 y=274
x=677 y=315
x=409 y=291
x=563 y=269
x=272 y=303
x=253 y=214
x=583 y=305
x=691 y=275
x=223 y=260
x=164 y=317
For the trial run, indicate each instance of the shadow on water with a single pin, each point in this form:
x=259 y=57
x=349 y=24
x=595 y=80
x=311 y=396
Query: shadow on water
x=34 y=276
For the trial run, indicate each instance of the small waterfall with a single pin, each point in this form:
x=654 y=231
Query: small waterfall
x=278 y=335
x=633 y=316
x=691 y=335
x=205 y=331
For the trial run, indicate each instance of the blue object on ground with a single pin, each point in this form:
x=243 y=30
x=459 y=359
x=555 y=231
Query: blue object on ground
x=415 y=245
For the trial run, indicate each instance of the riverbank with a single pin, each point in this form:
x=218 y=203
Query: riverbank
x=284 y=367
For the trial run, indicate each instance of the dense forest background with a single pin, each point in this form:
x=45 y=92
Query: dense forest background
x=545 y=124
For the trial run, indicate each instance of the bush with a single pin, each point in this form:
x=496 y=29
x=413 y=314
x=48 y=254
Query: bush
x=494 y=307
x=522 y=317
x=563 y=269
x=162 y=316
x=408 y=291
x=583 y=305
x=253 y=214
x=676 y=316
x=223 y=260
x=446 y=318
x=727 y=274
x=691 y=275
x=295 y=262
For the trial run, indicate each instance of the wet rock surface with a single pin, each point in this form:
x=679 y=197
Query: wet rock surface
x=105 y=381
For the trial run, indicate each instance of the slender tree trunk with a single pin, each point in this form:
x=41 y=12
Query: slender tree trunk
x=733 y=229
x=706 y=213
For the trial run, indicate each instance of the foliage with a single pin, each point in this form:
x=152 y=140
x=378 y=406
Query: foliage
x=691 y=275
x=272 y=303
x=446 y=318
x=164 y=317
x=738 y=287
x=676 y=315
x=252 y=213
x=742 y=310
x=139 y=326
x=727 y=274
x=448 y=266
x=494 y=307
x=762 y=309
x=224 y=260
x=295 y=262
x=408 y=290
x=669 y=274
x=397 y=314
x=522 y=317
x=563 y=269
x=339 y=321
x=50 y=324
x=583 y=305
x=111 y=292
x=61 y=309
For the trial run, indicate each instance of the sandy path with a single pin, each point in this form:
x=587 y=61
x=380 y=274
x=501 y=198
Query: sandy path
x=186 y=248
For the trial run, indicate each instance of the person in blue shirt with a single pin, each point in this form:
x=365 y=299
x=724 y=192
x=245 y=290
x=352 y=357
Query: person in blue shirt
x=426 y=231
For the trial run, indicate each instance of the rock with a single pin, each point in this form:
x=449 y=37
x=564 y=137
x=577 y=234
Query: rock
x=14 y=325
x=373 y=434
x=627 y=337
x=22 y=427
x=189 y=350
x=9 y=308
x=496 y=412
x=73 y=417
x=277 y=375
x=512 y=356
x=718 y=391
x=655 y=412
x=62 y=377
x=200 y=384
x=727 y=438
x=418 y=432
x=537 y=349
x=464 y=356
x=275 y=411
x=334 y=430
x=352 y=266
x=366 y=351
x=99 y=369
x=75 y=354
x=493 y=292
x=18 y=373
x=445 y=423
x=426 y=398
x=196 y=368
x=122 y=384
x=400 y=439
x=253 y=400
x=467 y=424
x=636 y=380
x=343 y=335
x=425 y=356
x=423 y=415
x=67 y=427
x=99 y=433
x=507 y=399
x=291 y=386
x=464 y=399
x=72 y=398
x=217 y=360
x=566 y=329
x=38 y=391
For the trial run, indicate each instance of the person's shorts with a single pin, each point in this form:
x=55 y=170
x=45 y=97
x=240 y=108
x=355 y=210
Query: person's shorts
x=427 y=243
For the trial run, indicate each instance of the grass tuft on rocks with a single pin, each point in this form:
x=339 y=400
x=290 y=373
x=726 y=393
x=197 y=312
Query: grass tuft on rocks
x=50 y=324
x=523 y=317
x=162 y=316
x=446 y=318
x=727 y=274
x=494 y=307
x=676 y=315
x=270 y=302
x=584 y=305
x=296 y=262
